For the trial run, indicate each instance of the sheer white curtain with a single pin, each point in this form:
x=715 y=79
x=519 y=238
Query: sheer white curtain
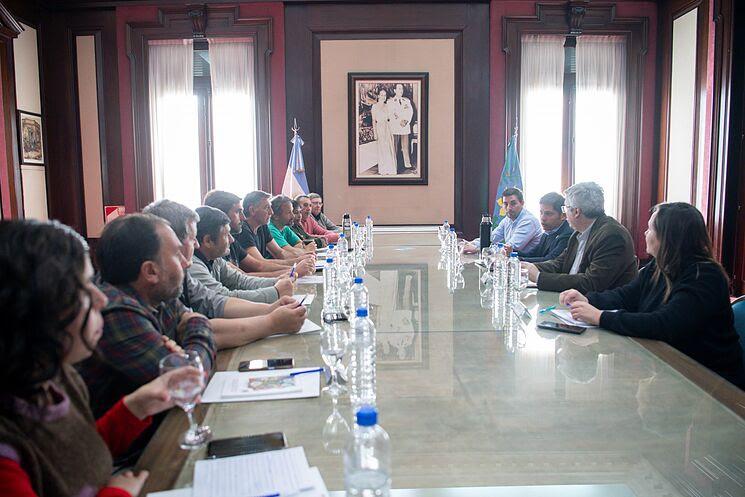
x=541 y=118
x=600 y=114
x=173 y=121
x=233 y=114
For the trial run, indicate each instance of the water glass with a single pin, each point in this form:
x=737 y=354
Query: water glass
x=334 y=344
x=185 y=386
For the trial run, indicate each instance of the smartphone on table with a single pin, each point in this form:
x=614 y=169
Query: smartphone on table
x=238 y=446
x=266 y=364
x=566 y=328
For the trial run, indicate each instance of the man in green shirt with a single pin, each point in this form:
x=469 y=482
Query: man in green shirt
x=279 y=227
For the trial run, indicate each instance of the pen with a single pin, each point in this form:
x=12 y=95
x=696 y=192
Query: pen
x=303 y=299
x=292 y=271
x=546 y=309
x=317 y=370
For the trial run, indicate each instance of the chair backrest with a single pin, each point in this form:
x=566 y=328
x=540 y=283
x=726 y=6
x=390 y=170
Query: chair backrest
x=738 y=309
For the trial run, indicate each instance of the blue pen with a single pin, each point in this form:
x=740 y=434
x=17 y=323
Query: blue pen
x=546 y=309
x=317 y=370
x=292 y=271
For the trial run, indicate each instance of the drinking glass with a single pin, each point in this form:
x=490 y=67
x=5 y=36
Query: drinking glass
x=523 y=278
x=184 y=387
x=335 y=431
x=334 y=343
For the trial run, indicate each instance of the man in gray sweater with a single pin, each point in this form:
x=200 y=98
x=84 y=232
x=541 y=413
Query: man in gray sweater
x=209 y=268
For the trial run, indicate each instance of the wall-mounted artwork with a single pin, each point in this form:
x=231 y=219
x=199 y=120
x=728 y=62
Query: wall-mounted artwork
x=388 y=128
x=30 y=138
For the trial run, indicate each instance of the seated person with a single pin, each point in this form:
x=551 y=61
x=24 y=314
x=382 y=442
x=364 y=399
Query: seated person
x=279 y=227
x=599 y=254
x=50 y=443
x=681 y=297
x=263 y=253
x=316 y=204
x=297 y=228
x=234 y=321
x=310 y=225
x=230 y=204
x=556 y=231
x=519 y=229
x=142 y=271
x=214 y=272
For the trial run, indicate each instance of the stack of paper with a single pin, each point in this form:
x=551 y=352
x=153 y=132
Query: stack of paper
x=310 y=280
x=233 y=386
x=305 y=298
x=566 y=316
x=277 y=472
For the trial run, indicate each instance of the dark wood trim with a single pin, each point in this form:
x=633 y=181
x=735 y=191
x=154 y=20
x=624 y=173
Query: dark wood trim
x=723 y=391
x=306 y=25
x=175 y=23
x=669 y=12
x=422 y=121
x=9 y=30
x=598 y=19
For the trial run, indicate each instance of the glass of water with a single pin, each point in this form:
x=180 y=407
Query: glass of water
x=334 y=344
x=184 y=386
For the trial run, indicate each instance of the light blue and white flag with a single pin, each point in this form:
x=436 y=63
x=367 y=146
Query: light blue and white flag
x=295 y=181
x=511 y=178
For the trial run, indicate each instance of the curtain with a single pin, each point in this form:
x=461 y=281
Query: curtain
x=541 y=118
x=600 y=115
x=232 y=74
x=173 y=121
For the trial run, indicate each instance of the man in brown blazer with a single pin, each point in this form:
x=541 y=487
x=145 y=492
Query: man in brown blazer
x=600 y=252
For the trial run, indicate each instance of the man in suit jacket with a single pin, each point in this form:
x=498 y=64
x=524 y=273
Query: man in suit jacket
x=401 y=112
x=599 y=255
x=556 y=231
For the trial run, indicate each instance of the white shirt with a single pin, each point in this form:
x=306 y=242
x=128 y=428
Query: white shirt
x=582 y=239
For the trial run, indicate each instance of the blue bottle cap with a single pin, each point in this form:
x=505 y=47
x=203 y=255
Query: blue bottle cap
x=513 y=254
x=358 y=279
x=367 y=416
x=331 y=245
x=361 y=312
x=452 y=229
x=369 y=216
x=330 y=260
x=445 y=221
x=341 y=236
x=500 y=245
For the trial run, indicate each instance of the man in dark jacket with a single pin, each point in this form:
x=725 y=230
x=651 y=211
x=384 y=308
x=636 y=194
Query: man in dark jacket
x=599 y=254
x=556 y=231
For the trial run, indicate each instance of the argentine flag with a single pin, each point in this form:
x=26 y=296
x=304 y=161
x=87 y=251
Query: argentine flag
x=295 y=181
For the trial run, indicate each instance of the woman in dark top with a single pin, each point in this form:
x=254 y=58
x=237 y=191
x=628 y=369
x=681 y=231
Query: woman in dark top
x=50 y=445
x=681 y=297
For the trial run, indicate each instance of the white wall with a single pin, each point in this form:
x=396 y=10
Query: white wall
x=28 y=98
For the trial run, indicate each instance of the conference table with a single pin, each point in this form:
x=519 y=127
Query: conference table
x=473 y=408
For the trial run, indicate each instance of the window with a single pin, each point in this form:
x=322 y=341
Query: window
x=202 y=118
x=572 y=101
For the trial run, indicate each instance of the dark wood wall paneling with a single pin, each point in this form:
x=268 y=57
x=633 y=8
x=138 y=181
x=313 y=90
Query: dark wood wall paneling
x=467 y=24
x=590 y=19
x=669 y=11
x=9 y=30
x=60 y=102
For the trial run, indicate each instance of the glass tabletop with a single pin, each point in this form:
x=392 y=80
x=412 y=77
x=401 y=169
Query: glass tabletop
x=470 y=406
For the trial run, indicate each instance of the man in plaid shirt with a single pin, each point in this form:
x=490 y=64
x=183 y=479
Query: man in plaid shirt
x=142 y=269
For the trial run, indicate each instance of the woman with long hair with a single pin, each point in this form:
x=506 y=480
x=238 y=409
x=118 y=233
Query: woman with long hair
x=383 y=135
x=681 y=297
x=50 y=445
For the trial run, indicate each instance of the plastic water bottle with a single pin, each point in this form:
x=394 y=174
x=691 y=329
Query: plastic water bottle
x=368 y=233
x=331 y=251
x=361 y=370
x=342 y=246
x=513 y=275
x=330 y=285
x=367 y=457
x=344 y=286
x=358 y=297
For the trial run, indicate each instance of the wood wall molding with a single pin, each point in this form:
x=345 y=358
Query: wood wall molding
x=597 y=19
x=11 y=171
x=466 y=24
x=174 y=23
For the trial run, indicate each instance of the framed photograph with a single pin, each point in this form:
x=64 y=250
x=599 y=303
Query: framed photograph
x=388 y=128
x=30 y=138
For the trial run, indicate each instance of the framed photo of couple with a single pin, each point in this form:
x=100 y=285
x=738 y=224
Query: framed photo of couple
x=388 y=128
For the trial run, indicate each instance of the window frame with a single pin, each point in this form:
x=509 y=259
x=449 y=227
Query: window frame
x=223 y=21
x=581 y=18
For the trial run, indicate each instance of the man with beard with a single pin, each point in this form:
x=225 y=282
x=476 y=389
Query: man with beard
x=142 y=270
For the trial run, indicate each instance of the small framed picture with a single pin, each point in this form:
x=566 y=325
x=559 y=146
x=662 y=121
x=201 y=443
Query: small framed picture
x=30 y=138
x=388 y=128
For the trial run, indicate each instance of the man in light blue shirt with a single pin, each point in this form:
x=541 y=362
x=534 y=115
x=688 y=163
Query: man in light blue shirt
x=521 y=230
